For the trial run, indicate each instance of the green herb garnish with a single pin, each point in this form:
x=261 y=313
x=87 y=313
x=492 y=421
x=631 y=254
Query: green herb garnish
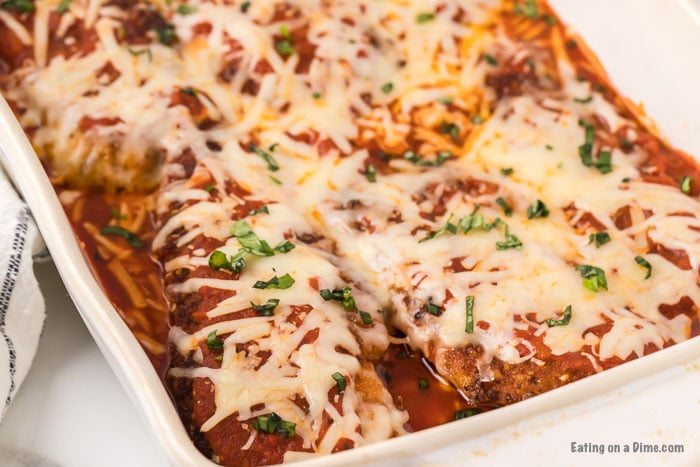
x=366 y=318
x=490 y=59
x=281 y=283
x=506 y=171
x=600 y=238
x=448 y=227
x=507 y=210
x=129 y=236
x=21 y=6
x=285 y=246
x=424 y=17
x=563 y=321
x=460 y=414
x=593 y=277
x=137 y=52
x=262 y=210
x=244 y=6
x=272 y=164
x=450 y=129
x=585 y=100
x=273 y=423
x=371 y=173
x=423 y=384
x=340 y=381
x=645 y=264
x=686 y=183
x=415 y=159
x=537 y=209
x=63 y=6
x=387 y=87
x=249 y=240
x=267 y=308
x=166 y=34
x=511 y=242
x=469 y=326
x=527 y=8
x=213 y=342
x=186 y=9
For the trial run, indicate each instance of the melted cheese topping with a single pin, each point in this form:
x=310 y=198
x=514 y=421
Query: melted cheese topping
x=366 y=82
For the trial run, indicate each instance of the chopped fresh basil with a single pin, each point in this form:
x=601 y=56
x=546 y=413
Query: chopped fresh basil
x=511 y=241
x=527 y=8
x=450 y=129
x=219 y=260
x=137 y=52
x=262 y=210
x=537 y=209
x=272 y=164
x=585 y=100
x=114 y=213
x=448 y=227
x=686 y=184
x=387 y=87
x=460 y=414
x=275 y=180
x=507 y=210
x=477 y=119
x=549 y=19
x=213 y=342
x=282 y=283
x=249 y=240
x=490 y=59
x=506 y=171
x=433 y=309
x=244 y=6
x=366 y=318
x=63 y=6
x=129 y=236
x=604 y=162
x=284 y=31
x=423 y=384
x=371 y=173
x=274 y=424
x=209 y=188
x=284 y=46
x=593 y=277
x=340 y=381
x=285 y=246
x=548 y=147
x=166 y=34
x=585 y=151
x=343 y=295
x=424 y=17
x=316 y=95
x=267 y=308
x=469 y=326
x=476 y=221
x=446 y=100
x=563 y=321
x=645 y=264
x=219 y=358
x=21 y=6
x=413 y=158
x=189 y=91
x=186 y=9
x=599 y=238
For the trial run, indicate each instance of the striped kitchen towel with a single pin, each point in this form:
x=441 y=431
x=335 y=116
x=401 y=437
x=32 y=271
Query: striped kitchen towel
x=21 y=303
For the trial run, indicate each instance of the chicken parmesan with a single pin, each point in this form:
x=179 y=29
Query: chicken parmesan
x=330 y=223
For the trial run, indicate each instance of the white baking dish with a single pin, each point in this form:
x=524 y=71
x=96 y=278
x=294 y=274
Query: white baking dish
x=652 y=51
